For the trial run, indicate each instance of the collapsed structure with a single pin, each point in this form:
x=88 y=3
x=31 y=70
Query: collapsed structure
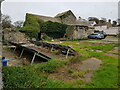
x=76 y=29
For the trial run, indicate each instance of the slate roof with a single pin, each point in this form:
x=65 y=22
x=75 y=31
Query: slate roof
x=46 y=18
x=80 y=23
x=63 y=13
x=56 y=19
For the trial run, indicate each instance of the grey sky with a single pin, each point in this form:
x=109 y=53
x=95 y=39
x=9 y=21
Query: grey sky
x=17 y=10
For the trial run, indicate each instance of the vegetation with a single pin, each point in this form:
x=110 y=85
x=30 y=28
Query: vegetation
x=33 y=25
x=36 y=76
x=6 y=21
x=55 y=29
x=20 y=77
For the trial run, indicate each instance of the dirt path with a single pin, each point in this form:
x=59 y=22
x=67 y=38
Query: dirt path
x=89 y=64
x=84 y=69
x=13 y=59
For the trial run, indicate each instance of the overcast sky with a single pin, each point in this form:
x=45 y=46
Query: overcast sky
x=17 y=10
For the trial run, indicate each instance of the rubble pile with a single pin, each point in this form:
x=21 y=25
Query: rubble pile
x=11 y=34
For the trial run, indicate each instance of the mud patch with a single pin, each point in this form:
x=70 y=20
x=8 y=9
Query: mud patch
x=95 y=50
x=114 y=52
x=89 y=64
x=113 y=55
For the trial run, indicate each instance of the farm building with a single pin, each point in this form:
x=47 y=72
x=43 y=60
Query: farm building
x=76 y=29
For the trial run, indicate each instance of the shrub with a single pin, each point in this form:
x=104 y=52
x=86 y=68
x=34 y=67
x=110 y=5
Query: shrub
x=32 y=26
x=70 y=71
x=54 y=29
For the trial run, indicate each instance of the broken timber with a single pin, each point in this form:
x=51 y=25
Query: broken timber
x=29 y=49
x=64 y=49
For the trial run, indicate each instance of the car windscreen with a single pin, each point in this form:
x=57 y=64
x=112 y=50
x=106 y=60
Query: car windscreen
x=94 y=34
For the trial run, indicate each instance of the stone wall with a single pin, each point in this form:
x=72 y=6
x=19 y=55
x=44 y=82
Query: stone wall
x=74 y=32
x=109 y=31
x=70 y=19
x=67 y=18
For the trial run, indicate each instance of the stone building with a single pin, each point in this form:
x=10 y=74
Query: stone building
x=79 y=30
x=76 y=28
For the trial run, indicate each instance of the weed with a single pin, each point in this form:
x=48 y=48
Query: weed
x=70 y=71
x=75 y=59
x=50 y=66
x=77 y=82
x=79 y=74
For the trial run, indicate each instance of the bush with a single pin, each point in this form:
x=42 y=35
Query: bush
x=55 y=29
x=32 y=26
x=70 y=71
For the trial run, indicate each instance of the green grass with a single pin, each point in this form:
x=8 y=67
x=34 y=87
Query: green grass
x=79 y=74
x=50 y=66
x=20 y=77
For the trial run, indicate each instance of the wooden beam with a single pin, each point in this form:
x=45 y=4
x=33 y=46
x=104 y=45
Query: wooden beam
x=33 y=58
x=51 y=49
x=67 y=53
x=21 y=53
x=15 y=49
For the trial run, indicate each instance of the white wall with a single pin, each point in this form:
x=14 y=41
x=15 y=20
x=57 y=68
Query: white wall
x=111 y=30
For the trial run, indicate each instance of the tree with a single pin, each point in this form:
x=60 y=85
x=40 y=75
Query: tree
x=18 y=24
x=104 y=19
x=94 y=19
x=118 y=21
x=6 y=21
x=114 y=23
x=109 y=20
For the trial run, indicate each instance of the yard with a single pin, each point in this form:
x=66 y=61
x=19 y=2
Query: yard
x=95 y=66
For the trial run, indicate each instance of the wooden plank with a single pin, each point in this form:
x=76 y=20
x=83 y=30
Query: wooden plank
x=67 y=53
x=15 y=49
x=21 y=53
x=33 y=58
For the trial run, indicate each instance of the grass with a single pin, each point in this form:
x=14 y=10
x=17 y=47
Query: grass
x=105 y=77
x=79 y=74
x=48 y=67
